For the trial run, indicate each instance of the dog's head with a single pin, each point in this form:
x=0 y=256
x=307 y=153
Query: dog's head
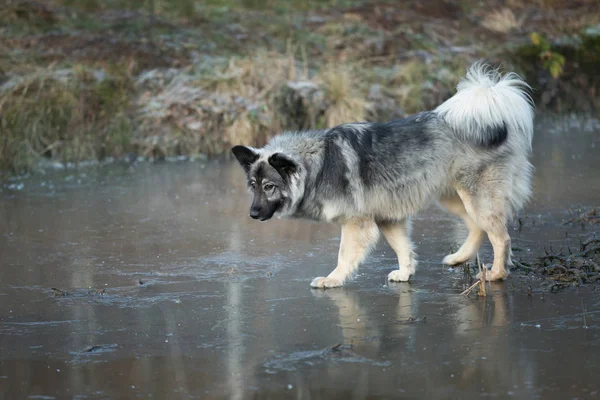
x=273 y=179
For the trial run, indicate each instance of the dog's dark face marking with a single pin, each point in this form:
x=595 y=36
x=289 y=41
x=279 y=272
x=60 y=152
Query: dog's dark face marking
x=266 y=185
x=268 y=181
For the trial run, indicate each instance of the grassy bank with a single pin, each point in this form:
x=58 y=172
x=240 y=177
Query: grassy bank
x=88 y=79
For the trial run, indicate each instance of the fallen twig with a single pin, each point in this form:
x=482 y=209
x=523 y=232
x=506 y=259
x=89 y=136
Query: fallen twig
x=58 y=292
x=483 y=270
x=92 y=349
x=467 y=291
x=522 y=265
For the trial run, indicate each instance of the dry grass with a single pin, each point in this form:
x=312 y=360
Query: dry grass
x=346 y=102
x=209 y=109
x=218 y=85
x=417 y=86
x=502 y=21
x=246 y=100
x=407 y=84
x=76 y=114
x=68 y=115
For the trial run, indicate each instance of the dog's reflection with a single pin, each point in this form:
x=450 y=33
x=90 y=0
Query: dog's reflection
x=482 y=324
x=468 y=334
x=408 y=305
x=357 y=327
x=362 y=320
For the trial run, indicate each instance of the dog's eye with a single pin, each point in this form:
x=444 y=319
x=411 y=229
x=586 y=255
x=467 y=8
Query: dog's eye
x=252 y=185
x=268 y=187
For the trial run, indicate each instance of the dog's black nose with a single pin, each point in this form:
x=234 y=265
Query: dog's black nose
x=254 y=213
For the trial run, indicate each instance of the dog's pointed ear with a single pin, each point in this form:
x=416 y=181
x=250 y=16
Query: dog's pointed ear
x=246 y=156
x=283 y=164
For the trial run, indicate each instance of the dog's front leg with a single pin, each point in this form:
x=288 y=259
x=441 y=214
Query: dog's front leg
x=358 y=236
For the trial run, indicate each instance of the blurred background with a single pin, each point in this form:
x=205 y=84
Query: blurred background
x=103 y=79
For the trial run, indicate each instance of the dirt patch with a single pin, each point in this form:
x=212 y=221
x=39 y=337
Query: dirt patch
x=102 y=49
x=584 y=217
x=569 y=267
x=392 y=16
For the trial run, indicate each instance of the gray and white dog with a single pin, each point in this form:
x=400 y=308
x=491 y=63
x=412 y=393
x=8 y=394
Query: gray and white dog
x=470 y=154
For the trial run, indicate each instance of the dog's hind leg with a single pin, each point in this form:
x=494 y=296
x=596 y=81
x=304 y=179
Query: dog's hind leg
x=476 y=234
x=358 y=237
x=397 y=235
x=488 y=211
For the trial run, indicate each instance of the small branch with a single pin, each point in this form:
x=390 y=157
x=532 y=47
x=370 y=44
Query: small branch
x=521 y=265
x=467 y=291
x=483 y=270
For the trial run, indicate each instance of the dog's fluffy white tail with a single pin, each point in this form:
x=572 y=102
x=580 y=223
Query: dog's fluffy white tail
x=490 y=109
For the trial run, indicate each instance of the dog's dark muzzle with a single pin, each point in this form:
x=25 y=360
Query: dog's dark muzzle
x=254 y=213
x=262 y=213
x=259 y=217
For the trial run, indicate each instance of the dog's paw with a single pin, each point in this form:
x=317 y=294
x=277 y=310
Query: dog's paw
x=453 y=259
x=325 y=282
x=400 y=275
x=493 y=275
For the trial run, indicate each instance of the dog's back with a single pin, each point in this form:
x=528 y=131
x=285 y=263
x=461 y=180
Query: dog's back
x=479 y=138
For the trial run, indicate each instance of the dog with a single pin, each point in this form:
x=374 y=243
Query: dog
x=470 y=154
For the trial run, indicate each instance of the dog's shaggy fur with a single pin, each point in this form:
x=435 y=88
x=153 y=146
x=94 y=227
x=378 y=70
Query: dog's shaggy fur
x=470 y=154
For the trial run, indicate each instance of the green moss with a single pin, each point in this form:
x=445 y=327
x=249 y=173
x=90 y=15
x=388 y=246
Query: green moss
x=569 y=62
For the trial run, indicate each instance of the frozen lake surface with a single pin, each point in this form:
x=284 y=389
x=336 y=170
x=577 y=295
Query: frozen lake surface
x=166 y=288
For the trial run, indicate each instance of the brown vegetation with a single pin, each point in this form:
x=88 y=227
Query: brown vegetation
x=87 y=79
